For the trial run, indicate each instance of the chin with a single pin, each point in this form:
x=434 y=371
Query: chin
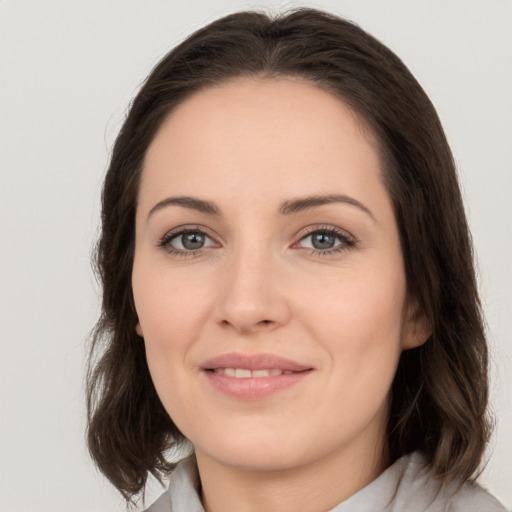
x=256 y=449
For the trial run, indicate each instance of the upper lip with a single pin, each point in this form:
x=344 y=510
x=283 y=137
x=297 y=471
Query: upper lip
x=260 y=361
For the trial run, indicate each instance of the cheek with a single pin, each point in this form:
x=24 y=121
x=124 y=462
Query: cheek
x=173 y=307
x=360 y=319
x=170 y=304
x=361 y=333
x=170 y=310
x=167 y=319
x=364 y=305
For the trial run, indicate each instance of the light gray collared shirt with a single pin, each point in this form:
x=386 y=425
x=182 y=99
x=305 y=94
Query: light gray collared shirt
x=406 y=486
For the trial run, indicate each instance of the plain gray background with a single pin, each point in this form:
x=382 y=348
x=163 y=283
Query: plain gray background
x=68 y=70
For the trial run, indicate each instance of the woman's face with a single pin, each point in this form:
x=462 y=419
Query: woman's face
x=268 y=277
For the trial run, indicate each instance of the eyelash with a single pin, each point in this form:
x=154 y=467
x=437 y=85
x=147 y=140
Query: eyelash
x=165 y=241
x=347 y=241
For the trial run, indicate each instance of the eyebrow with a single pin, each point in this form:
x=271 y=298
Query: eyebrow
x=306 y=203
x=286 y=208
x=192 y=203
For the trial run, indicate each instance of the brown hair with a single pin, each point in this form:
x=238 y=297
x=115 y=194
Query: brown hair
x=439 y=395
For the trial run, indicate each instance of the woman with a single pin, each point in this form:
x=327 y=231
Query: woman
x=288 y=282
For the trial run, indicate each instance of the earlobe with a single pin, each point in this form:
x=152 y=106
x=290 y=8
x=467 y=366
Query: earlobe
x=138 y=330
x=417 y=329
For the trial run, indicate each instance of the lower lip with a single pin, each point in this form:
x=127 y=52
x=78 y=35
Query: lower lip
x=254 y=388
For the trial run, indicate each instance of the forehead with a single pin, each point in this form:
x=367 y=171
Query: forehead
x=256 y=136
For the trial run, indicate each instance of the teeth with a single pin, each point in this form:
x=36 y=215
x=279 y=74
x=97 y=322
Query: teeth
x=262 y=373
x=244 y=373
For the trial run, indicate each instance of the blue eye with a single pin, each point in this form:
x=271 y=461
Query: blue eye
x=321 y=240
x=189 y=241
x=326 y=241
x=186 y=241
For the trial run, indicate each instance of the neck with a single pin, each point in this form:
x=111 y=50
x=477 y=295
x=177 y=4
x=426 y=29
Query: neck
x=320 y=485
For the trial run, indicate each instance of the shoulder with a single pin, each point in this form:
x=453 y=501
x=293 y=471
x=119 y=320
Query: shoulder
x=417 y=485
x=471 y=497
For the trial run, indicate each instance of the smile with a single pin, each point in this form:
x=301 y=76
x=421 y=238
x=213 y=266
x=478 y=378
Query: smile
x=245 y=373
x=253 y=376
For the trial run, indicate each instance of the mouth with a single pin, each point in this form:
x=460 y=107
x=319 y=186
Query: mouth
x=252 y=377
x=245 y=373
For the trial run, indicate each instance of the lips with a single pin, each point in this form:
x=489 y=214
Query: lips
x=244 y=373
x=253 y=362
x=255 y=376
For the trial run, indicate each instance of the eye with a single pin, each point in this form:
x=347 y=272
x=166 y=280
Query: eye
x=191 y=241
x=326 y=241
x=186 y=241
x=321 y=240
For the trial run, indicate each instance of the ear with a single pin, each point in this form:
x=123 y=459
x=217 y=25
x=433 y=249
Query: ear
x=138 y=330
x=417 y=328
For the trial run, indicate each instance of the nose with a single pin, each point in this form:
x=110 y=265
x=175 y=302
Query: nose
x=252 y=297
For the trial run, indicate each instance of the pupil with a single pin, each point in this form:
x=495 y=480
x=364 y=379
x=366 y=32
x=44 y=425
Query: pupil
x=323 y=240
x=193 y=241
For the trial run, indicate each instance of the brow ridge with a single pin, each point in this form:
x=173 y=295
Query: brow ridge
x=289 y=207
x=306 y=203
x=192 y=203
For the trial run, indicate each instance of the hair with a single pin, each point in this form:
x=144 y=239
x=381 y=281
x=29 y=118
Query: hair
x=440 y=391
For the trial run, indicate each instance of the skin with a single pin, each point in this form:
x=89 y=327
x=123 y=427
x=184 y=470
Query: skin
x=258 y=285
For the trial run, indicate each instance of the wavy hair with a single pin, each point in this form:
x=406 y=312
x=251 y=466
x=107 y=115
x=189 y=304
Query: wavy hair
x=440 y=391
